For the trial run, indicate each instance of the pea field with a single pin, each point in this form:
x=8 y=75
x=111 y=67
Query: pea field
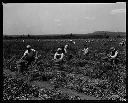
x=82 y=77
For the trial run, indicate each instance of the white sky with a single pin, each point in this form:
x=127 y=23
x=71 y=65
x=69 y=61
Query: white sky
x=52 y=18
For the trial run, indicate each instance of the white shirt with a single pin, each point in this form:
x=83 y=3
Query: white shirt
x=85 y=51
x=114 y=55
x=29 y=53
x=61 y=56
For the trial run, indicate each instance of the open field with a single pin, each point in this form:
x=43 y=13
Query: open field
x=87 y=77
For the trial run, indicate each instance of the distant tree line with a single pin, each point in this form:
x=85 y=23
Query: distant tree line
x=95 y=35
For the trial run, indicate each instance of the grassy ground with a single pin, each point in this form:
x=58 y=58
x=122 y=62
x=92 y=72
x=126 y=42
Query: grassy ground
x=85 y=76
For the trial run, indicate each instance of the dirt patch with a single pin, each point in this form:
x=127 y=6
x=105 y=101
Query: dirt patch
x=81 y=95
x=43 y=84
x=64 y=90
x=7 y=72
x=47 y=85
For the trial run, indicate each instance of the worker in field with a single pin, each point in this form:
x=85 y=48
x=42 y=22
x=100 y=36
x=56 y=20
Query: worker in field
x=123 y=43
x=82 y=53
x=60 y=53
x=113 y=55
x=71 y=50
x=29 y=56
x=72 y=42
x=65 y=51
x=85 y=51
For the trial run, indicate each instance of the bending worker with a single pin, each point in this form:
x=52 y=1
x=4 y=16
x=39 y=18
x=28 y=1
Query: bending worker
x=29 y=56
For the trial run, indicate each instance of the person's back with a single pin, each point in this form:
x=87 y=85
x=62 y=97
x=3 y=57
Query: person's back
x=29 y=56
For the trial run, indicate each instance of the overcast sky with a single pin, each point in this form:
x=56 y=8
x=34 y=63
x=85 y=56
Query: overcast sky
x=52 y=18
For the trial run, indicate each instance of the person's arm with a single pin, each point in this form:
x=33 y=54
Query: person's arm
x=65 y=48
x=25 y=53
x=62 y=55
x=55 y=56
x=36 y=55
x=115 y=54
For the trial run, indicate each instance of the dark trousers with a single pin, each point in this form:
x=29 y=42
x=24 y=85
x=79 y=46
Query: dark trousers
x=22 y=65
x=113 y=61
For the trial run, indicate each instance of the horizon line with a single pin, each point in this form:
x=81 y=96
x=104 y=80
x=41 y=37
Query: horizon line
x=63 y=33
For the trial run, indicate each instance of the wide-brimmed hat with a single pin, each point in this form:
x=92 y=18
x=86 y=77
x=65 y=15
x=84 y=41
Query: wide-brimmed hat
x=112 y=48
x=71 y=41
x=59 y=49
x=28 y=46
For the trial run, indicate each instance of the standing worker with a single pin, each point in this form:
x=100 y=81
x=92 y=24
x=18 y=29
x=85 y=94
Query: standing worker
x=71 y=50
x=59 y=55
x=113 y=55
x=29 y=56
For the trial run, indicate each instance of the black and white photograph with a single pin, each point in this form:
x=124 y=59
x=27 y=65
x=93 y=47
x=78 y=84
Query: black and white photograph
x=64 y=51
